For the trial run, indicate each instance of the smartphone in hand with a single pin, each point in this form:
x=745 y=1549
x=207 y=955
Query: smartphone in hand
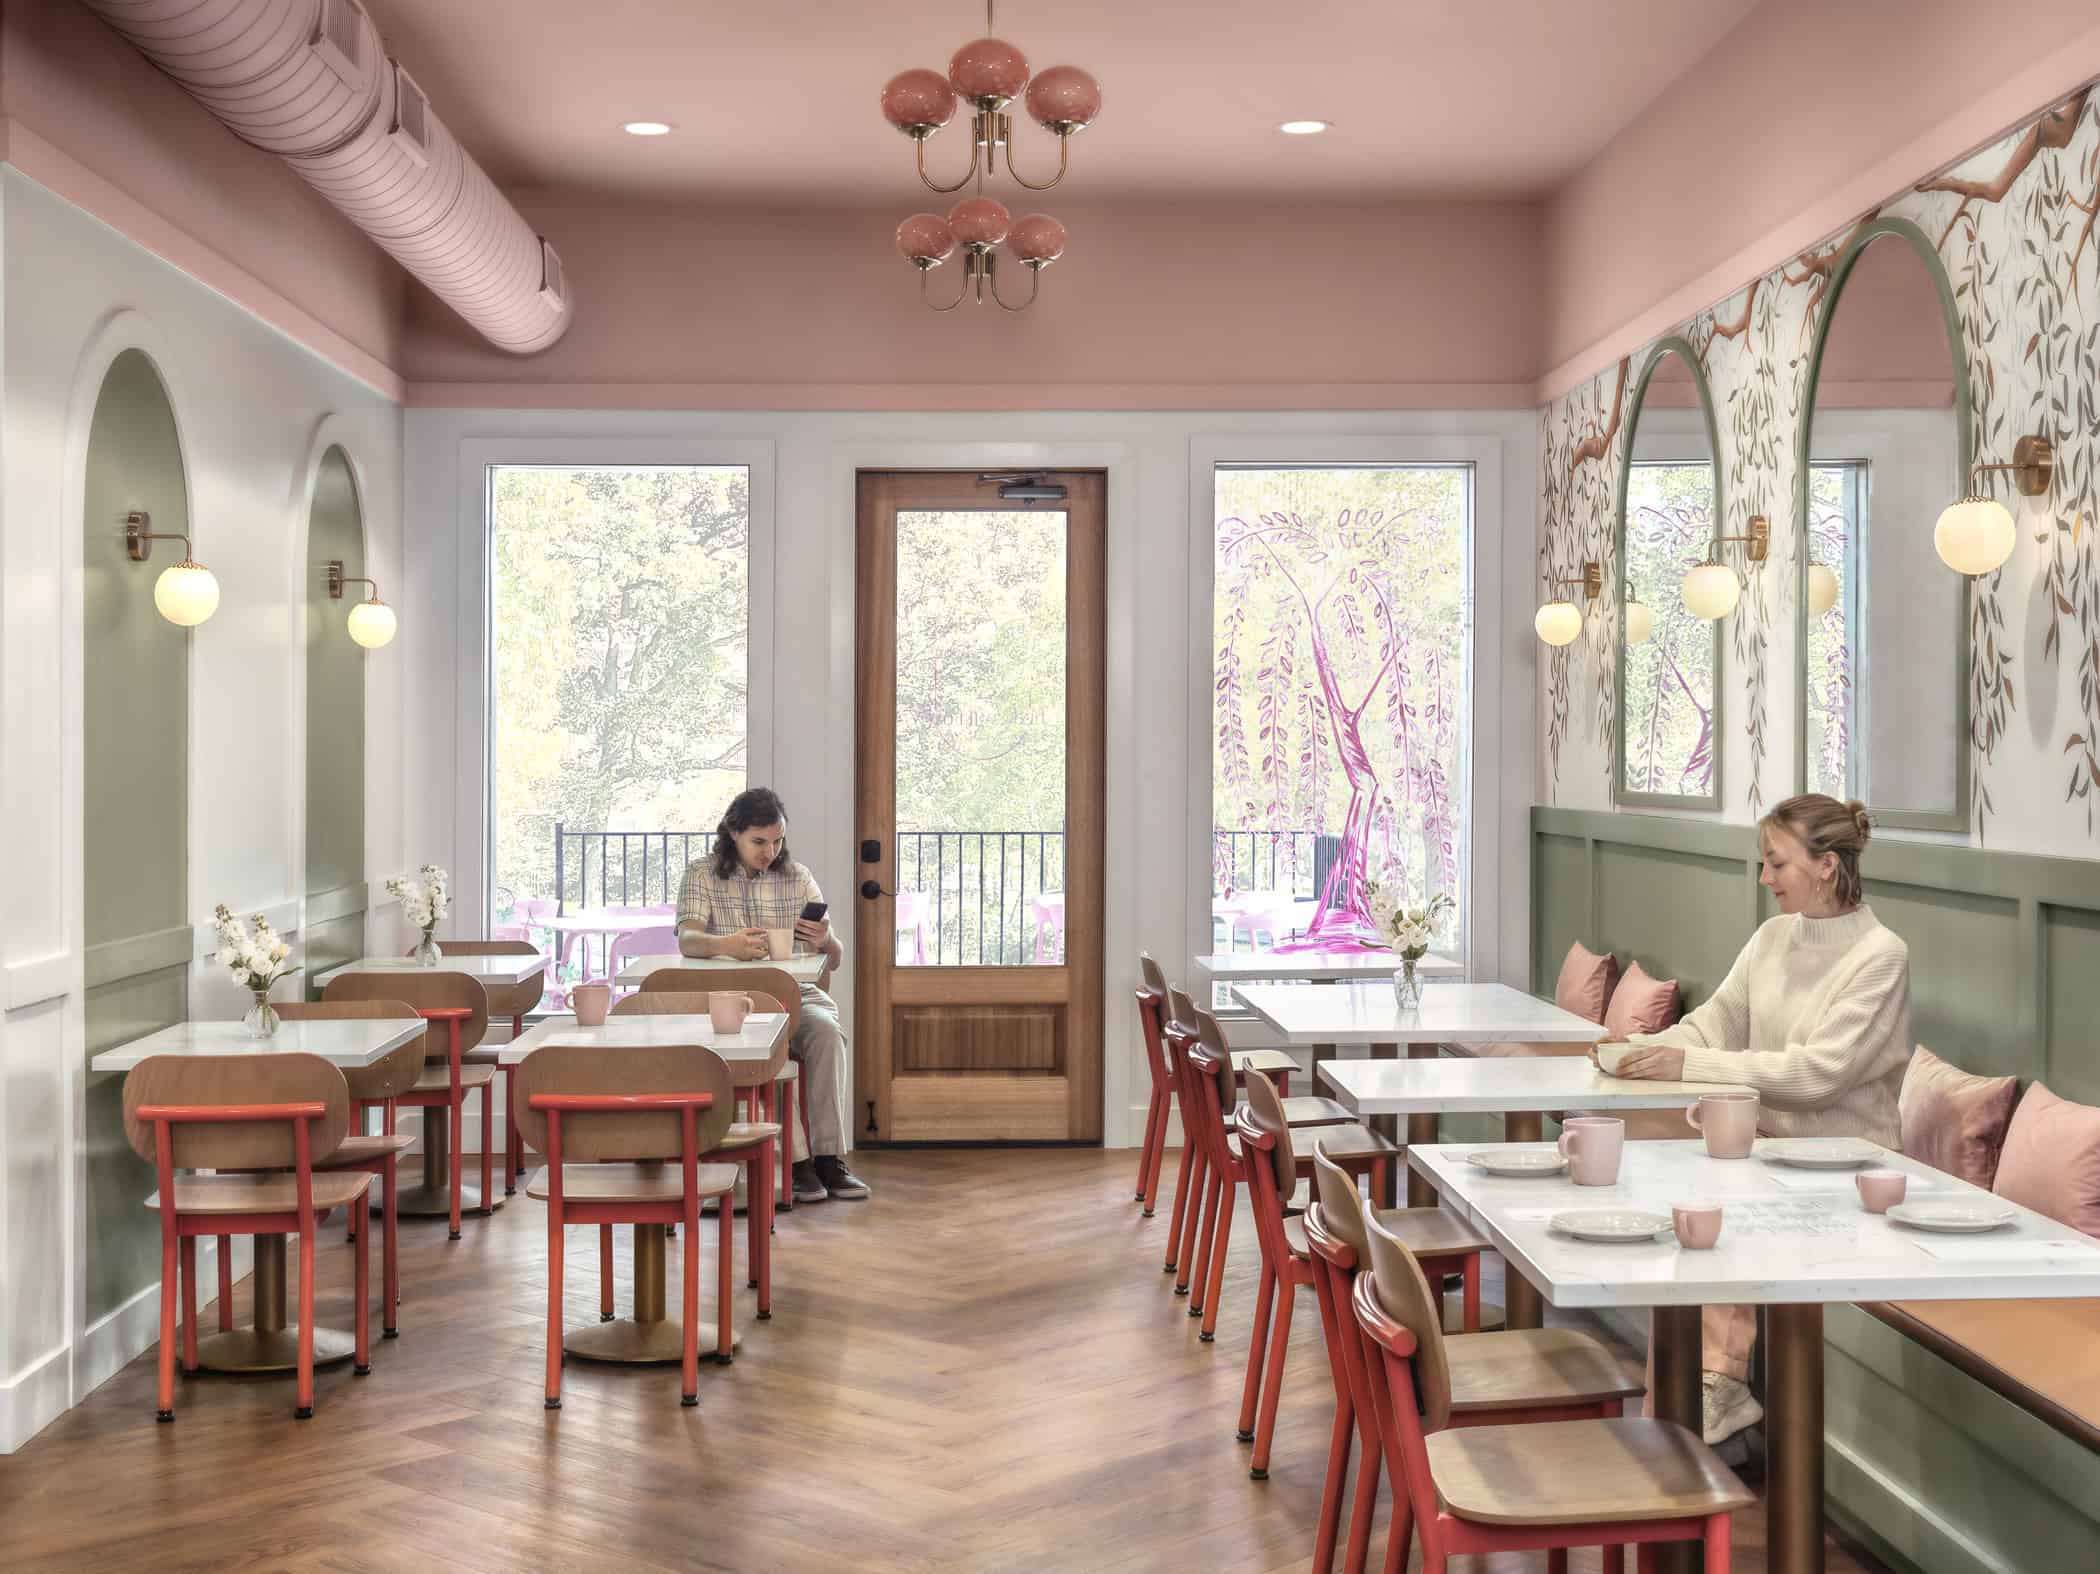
x=813 y=912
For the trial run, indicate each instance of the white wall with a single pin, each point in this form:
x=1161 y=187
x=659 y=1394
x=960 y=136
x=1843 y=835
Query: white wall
x=254 y=412
x=1154 y=515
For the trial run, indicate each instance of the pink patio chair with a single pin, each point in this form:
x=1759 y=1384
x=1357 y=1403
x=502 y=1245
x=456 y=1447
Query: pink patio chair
x=1048 y=912
x=659 y=941
x=911 y=920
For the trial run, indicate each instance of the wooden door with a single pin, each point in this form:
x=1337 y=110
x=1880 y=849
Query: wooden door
x=978 y=705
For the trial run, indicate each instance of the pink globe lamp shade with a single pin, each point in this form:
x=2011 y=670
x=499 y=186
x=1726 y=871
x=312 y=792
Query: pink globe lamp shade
x=918 y=102
x=988 y=71
x=980 y=221
x=1038 y=240
x=1064 y=99
x=925 y=240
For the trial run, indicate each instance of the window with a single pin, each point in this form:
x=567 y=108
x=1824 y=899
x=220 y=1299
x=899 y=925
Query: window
x=1669 y=708
x=1837 y=513
x=619 y=607
x=1340 y=712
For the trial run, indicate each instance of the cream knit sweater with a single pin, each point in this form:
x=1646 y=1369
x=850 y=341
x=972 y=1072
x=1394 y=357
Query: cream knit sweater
x=1815 y=1014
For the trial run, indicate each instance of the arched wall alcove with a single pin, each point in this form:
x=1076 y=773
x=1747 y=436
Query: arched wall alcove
x=135 y=804
x=334 y=929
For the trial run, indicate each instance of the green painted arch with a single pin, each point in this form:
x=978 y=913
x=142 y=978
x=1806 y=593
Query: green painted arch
x=1663 y=348
x=135 y=669
x=1956 y=819
x=334 y=927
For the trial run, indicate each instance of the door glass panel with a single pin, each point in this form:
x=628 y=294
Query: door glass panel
x=980 y=738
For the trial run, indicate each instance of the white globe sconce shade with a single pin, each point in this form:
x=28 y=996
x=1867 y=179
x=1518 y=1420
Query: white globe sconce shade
x=1640 y=622
x=1975 y=535
x=1822 y=589
x=1558 y=622
x=372 y=624
x=1711 y=591
x=186 y=594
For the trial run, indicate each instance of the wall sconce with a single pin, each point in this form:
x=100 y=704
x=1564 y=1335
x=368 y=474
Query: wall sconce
x=1558 y=622
x=1975 y=535
x=187 y=592
x=1711 y=590
x=371 y=623
x=1822 y=589
x=1640 y=619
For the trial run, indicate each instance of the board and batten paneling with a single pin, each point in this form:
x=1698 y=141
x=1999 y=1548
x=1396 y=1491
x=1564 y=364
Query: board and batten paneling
x=135 y=803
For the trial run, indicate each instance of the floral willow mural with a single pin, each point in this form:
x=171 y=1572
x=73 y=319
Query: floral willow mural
x=2016 y=227
x=1833 y=540
x=1342 y=615
x=1669 y=675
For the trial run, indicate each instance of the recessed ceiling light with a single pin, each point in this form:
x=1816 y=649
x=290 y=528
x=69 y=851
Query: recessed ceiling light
x=1303 y=128
x=647 y=128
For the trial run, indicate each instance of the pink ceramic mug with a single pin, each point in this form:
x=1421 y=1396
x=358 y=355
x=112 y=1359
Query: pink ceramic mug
x=780 y=944
x=1880 y=1190
x=1592 y=1144
x=591 y=1002
x=1728 y=1122
x=726 y=1010
x=1698 y=1224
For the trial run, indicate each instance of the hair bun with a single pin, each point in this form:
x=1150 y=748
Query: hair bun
x=1861 y=820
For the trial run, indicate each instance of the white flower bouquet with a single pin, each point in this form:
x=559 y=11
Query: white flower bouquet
x=1410 y=931
x=254 y=954
x=424 y=901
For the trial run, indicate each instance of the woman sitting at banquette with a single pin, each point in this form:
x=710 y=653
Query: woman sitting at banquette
x=1815 y=1015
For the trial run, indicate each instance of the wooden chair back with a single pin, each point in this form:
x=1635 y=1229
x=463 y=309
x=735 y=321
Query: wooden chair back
x=627 y=1135
x=1180 y=1008
x=1264 y=1112
x=1152 y=1008
x=757 y=979
x=1403 y=1294
x=521 y=998
x=388 y=1077
x=423 y=989
x=222 y=1080
x=1341 y=1205
x=663 y=1003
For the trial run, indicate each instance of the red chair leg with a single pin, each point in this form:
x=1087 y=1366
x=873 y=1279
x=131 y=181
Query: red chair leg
x=765 y=1239
x=554 y=1265
x=513 y=1143
x=1158 y=1159
x=787 y=1148
x=455 y=1117
x=390 y=1260
x=1176 y=1222
x=1717 y=1544
x=361 y=1361
x=303 y=1408
x=1365 y=1503
x=605 y=1273
x=488 y=1146
x=1152 y=1126
x=1614 y=1560
x=689 y=1348
x=357 y=1126
x=225 y=1283
x=169 y=1290
x=1257 y=1345
x=1556 y=1560
x=1338 y=1445
x=1272 y=1380
x=1215 y=1284
x=725 y=1246
x=1470 y=1296
x=1205 y=1238
x=188 y=1256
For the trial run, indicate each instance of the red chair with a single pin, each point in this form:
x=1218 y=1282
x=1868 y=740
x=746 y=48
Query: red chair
x=274 y=1113
x=623 y=1134
x=461 y=1005
x=1548 y=1374
x=505 y=1000
x=786 y=995
x=1523 y=1487
x=1152 y=1009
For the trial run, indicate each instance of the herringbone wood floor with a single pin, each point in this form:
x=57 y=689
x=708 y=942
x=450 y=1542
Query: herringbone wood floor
x=982 y=1368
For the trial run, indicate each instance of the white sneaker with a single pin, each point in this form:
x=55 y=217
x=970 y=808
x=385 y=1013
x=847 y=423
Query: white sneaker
x=1726 y=1407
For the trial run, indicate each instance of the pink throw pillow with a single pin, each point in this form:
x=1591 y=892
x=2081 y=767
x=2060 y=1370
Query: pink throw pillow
x=1640 y=1004
x=2051 y=1161
x=1954 y=1121
x=1586 y=981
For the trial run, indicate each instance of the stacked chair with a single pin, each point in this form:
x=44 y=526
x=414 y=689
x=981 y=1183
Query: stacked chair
x=778 y=1099
x=514 y=1001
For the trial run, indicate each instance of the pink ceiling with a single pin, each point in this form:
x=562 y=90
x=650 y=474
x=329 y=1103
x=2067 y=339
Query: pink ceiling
x=777 y=101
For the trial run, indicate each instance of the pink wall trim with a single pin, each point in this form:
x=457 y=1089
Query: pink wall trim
x=1985 y=118
x=969 y=396
x=66 y=177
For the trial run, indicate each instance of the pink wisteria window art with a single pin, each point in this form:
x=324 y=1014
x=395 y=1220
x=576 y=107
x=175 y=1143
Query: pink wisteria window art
x=1341 y=673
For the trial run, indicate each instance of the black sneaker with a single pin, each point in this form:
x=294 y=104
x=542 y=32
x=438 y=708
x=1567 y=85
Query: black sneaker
x=838 y=1180
x=807 y=1187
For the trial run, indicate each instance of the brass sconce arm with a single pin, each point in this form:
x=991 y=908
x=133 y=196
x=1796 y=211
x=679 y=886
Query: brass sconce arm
x=1591 y=579
x=139 y=536
x=337 y=579
x=2033 y=466
x=1757 y=536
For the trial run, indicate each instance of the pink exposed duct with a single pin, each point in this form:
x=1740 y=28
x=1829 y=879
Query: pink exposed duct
x=309 y=81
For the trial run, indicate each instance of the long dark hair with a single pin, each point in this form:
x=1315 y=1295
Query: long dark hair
x=752 y=807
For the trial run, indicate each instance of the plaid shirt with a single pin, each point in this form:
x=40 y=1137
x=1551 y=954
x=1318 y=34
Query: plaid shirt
x=772 y=899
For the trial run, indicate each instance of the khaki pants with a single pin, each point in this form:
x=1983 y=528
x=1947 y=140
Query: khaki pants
x=819 y=1047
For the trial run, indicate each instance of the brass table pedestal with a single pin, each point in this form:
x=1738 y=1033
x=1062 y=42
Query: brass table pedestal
x=430 y=1196
x=271 y=1345
x=648 y=1337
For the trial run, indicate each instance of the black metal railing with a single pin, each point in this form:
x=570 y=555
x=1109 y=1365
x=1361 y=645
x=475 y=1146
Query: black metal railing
x=975 y=898
x=622 y=868
x=1294 y=862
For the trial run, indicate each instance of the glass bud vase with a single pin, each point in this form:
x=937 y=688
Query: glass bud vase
x=262 y=1019
x=1407 y=985
x=427 y=953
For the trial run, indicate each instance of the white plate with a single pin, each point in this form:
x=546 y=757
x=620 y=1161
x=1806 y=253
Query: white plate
x=1822 y=1153
x=1532 y=1162
x=1952 y=1218
x=1610 y=1224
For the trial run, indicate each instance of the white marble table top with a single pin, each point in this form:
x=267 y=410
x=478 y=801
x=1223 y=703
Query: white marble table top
x=1238 y=967
x=1449 y=1013
x=1788 y=1236
x=489 y=969
x=1452 y=1087
x=760 y=1034
x=358 y=1042
x=802 y=969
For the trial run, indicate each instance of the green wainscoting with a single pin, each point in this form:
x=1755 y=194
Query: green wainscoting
x=1926 y=1466
x=334 y=929
x=135 y=808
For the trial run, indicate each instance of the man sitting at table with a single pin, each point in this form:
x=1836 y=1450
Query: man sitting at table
x=728 y=900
